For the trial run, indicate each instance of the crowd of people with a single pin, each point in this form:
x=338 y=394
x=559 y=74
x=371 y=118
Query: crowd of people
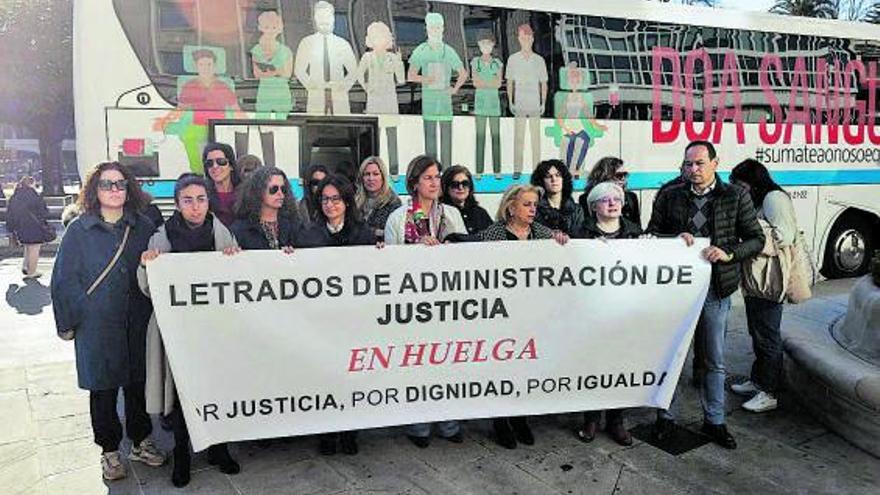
x=101 y=295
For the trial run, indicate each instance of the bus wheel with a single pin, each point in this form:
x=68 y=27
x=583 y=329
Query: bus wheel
x=849 y=249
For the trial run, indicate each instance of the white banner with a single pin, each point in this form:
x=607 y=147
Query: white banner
x=264 y=344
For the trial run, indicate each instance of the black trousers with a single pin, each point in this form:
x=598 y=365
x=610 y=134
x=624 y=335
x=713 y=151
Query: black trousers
x=105 y=420
x=612 y=416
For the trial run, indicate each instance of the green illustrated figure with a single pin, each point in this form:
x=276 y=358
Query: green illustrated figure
x=200 y=98
x=273 y=66
x=575 y=129
x=487 y=71
x=431 y=65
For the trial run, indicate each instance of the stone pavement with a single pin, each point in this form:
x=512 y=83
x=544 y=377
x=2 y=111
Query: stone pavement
x=46 y=445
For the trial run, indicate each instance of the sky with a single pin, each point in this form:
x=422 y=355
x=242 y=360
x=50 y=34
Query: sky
x=760 y=5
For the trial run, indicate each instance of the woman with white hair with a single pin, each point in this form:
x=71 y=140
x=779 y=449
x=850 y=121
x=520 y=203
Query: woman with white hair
x=605 y=203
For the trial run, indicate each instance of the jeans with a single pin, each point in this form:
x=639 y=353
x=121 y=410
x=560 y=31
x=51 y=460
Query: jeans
x=105 y=420
x=494 y=129
x=572 y=164
x=709 y=339
x=444 y=428
x=430 y=127
x=764 y=318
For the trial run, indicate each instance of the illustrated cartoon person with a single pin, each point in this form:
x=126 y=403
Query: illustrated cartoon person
x=527 y=96
x=325 y=64
x=577 y=126
x=200 y=99
x=273 y=66
x=487 y=71
x=380 y=72
x=431 y=65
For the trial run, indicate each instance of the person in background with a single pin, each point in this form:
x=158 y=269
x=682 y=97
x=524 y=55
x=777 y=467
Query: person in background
x=26 y=219
x=219 y=162
x=458 y=191
x=707 y=207
x=764 y=316
x=97 y=301
x=556 y=209
x=375 y=199
x=424 y=220
x=308 y=205
x=606 y=221
x=246 y=165
x=190 y=229
x=267 y=212
x=515 y=221
x=612 y=169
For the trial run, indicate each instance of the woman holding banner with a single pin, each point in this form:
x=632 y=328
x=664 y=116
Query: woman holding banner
x=190 y=229
x=605 y=202
x=458 y=191
x=515 y=221
x=424 y=220
x=267 y=212
x=375 y=198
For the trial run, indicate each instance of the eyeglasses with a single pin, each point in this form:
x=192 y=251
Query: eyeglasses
x=621 y=175
x=273 y=189
x=460 y=184
x=220 y=162
x=610 y=200
x=190 y=201
x=107 y=184
x=331 y=200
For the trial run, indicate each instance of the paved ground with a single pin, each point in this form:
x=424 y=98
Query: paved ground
x=46 y=446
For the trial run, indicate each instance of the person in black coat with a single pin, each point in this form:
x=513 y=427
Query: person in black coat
x=612 y=169
x=266 y=212
x=708 y=207
x=556 y=209
x=26 y=218
x=458 y=191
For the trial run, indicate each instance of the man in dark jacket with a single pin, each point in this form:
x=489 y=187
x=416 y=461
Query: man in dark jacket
x=704 y=206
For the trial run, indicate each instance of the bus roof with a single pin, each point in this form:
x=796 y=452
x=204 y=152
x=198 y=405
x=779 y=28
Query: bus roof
x=696 y=15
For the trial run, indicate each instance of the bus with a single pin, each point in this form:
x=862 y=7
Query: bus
x=495 y=85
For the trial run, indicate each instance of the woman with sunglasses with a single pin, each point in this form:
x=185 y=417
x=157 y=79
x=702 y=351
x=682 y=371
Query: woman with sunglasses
x=375 y=199
x=458 y=191
x=556 y=209
x=190 y=229
x=308 y=205
x=424 y=220
x=97 y=302
x=219 y=162
x=606 y=221
x=612 y=169
x=267 y=212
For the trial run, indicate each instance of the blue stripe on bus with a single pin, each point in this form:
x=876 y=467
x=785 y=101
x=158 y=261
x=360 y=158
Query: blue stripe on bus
x=164 y=188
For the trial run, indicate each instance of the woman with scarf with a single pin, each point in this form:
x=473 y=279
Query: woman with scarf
x=375 y=199
x=223 y=180
x=191 y=229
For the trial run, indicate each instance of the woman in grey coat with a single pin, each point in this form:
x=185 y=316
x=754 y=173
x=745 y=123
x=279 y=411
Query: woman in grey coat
x=190 y=229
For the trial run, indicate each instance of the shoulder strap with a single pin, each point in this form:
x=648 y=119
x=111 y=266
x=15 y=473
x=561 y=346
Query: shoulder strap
x=112 y=263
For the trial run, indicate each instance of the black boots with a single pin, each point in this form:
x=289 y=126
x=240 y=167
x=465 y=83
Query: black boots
x=218 y=455
x=509 y=431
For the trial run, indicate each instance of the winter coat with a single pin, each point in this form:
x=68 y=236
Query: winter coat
x=734 y=225
x=160 y=390
x=476 y=218
x=377 y=218
x=111 y=323
x=498 y=232
x=318 y=236
x=590 y=230
x=568 y=218
x=249 y=234
x=26 y=216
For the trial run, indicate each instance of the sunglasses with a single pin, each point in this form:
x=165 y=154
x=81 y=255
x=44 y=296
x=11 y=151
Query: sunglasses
x=107 y=184
x=460 y=184
x=220 y=162
x=275 y=188
x=621 y=175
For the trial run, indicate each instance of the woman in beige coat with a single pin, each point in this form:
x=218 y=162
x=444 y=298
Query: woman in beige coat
x=190 y=229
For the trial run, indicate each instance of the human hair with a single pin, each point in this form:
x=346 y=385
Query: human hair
x=249 y=200
x=385 y=194
x=203 y=53
x=604 y=189
x=434 y=19
x=346 y=192
x=26 y=181
x=603 y=171
x=756 y=175
x=135 y=198
x=511 y=195
x=188 y=179
x=376 y=30
x=416 y=168
x=248 y=161
x=229 y=154
x=709 y=147
x=446 y=182
x=543 y=170
x=525 y=29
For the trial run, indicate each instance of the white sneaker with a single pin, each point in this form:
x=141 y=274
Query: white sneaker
x=147 y=453
x=746 y=388
x=761 y=402
x=112 y=466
